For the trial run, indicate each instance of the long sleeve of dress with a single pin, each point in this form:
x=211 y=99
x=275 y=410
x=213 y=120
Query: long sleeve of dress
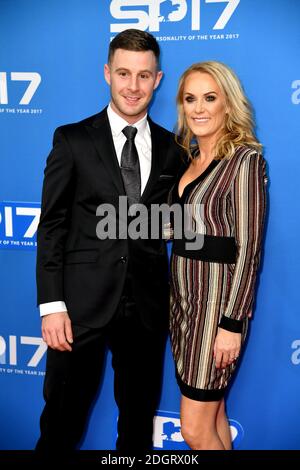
x=248 y=197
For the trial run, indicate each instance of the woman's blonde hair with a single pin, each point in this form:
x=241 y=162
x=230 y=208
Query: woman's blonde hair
x=239 y=123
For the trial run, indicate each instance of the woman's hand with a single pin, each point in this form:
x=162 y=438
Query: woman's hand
x=226 y=348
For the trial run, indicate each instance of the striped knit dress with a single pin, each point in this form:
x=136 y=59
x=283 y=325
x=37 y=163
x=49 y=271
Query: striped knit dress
x=215 y=285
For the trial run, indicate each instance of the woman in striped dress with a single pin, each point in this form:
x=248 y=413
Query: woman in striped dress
x=223 y=189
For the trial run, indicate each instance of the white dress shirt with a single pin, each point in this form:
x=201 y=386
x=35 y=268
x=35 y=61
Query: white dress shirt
x=143 y=145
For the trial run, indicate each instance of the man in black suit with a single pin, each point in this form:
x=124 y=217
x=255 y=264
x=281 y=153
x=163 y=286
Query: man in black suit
x=95 y=292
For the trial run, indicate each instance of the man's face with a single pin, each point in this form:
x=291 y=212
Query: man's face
x=132 y=76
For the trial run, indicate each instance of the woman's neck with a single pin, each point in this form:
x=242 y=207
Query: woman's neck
x=206 y=151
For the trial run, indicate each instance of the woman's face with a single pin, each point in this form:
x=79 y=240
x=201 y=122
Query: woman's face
x=204 y=106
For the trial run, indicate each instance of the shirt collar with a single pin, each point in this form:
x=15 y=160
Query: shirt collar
x=117 y=123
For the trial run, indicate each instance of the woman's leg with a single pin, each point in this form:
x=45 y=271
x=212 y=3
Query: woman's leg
x=223 y=429
x=201 y=424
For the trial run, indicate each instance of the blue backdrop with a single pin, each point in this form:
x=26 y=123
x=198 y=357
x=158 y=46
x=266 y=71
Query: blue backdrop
x=51 y=72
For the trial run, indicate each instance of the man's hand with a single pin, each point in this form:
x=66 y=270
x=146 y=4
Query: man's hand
x=57 y=331
x=227 y=348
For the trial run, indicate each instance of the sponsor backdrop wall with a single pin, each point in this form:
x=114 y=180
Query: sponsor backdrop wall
x=51 y=72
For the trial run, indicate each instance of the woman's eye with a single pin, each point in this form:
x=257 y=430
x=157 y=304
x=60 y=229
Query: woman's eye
x=189 y=99
x=210 y=98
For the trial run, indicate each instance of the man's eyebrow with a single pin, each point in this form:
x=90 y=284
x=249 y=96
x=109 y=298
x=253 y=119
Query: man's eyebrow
x=127 y=70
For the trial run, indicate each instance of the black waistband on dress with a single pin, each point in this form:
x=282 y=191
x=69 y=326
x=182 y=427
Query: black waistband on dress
x=213 y=249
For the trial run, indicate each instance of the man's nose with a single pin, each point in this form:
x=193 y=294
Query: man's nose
x=133 y=83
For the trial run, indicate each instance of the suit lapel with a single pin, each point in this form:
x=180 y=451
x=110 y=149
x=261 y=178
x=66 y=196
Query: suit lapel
x=156 y=161
x=100 y=133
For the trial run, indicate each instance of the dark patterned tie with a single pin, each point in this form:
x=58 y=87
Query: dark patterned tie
x=130 y=167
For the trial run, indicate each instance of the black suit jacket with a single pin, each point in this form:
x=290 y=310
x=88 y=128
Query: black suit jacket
x=73 y=264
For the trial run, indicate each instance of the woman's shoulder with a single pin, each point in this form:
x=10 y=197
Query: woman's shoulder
x=250 y=160
x=244 y=153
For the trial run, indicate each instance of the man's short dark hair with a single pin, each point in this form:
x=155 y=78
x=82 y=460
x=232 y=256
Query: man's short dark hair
x=134 y=40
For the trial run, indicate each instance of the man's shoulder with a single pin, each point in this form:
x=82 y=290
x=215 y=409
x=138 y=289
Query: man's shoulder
x=159 y=128
x=162 y=135
x=93 y=120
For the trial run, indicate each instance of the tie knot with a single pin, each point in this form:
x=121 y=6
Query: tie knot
x=130 y=132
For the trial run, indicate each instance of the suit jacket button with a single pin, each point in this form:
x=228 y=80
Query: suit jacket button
x=123 y=259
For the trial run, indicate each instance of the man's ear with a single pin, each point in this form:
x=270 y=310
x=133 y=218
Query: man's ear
x=158 y=79
x=107 y=73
